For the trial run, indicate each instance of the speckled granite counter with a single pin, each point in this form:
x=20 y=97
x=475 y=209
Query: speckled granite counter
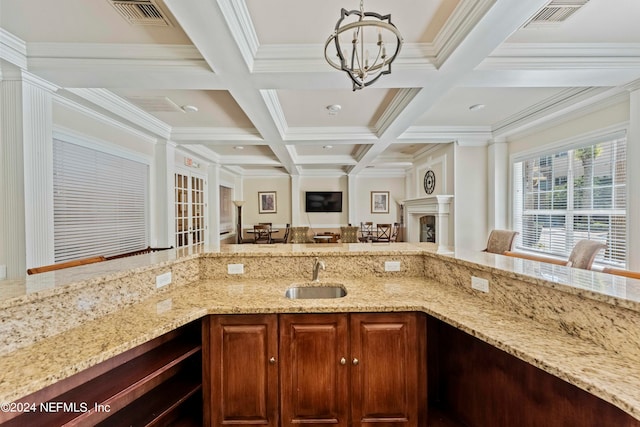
x=586 y=336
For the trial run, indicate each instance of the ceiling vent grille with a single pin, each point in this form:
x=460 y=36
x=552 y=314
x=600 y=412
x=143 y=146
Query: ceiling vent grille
x=141 y=12
x=555 y=12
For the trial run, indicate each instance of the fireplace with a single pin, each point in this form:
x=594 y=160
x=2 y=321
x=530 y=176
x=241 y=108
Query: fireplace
x=427 y=219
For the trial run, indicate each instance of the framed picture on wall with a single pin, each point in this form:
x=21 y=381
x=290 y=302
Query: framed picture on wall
x=379 y=202
x=267 y=202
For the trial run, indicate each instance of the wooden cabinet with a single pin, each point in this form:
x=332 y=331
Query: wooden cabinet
x=241 y=375
x=155 y=384
x=369 y=366
x=314 y=370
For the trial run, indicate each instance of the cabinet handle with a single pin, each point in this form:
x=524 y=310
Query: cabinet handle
x=272 y=361
x=343 y=361
x=355 y=361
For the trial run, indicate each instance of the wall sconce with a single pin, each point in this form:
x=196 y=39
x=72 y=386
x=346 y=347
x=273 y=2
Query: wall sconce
x=239 y=204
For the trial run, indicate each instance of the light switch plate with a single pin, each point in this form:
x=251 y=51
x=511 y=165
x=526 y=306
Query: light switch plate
x=392 y=266
x=235 y=268
x=163 y=279
x=479 y=284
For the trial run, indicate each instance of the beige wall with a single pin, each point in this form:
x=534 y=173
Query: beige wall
x=470 y=201
x=365 y=185
x=251 y=188
x=328 y=220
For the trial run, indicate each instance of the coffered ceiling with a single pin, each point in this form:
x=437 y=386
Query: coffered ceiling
x=256 y=72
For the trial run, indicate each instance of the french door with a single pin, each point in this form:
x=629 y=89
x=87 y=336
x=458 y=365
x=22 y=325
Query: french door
x=189 y=209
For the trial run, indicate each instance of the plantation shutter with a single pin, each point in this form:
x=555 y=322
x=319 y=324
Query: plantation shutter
x=566 y=196
x=100 y=203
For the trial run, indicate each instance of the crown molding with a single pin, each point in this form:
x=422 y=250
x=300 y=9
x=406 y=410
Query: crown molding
x=464 y=135
x=90 y=112
x=562 y=56
x=238 y=19
x=354 y=133
x=117 y=51
x=124 y=109
x=325 y=160
x=198 y=134
x=274 y=107
x=397 y=105
x=463 y=19
x=12 y=49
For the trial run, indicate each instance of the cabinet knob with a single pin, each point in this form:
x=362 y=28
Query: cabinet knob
x=343 y=361
x=272 y=360
x=355 y=361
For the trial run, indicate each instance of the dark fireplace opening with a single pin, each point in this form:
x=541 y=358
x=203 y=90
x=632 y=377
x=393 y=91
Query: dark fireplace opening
x=428 y=228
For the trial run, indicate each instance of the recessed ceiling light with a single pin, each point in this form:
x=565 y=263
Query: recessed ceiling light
x=189 y=108
x=476 y=107
x=238 y=147
x=327 y=147
x=334 y=109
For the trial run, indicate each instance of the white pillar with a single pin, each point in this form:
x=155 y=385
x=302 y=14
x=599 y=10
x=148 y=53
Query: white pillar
x=498 y=185
x=212 y=238
x=26 y=168
x=162 y=215
x=351 y=197
x=295 y=200
x=633 y=178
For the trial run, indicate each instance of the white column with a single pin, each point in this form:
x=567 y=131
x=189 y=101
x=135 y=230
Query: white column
x=161 y=190
x=498 y=185
x=213 y=214
x=295 y=200
x=26 y=168
x=351 y=197
x=633 y=178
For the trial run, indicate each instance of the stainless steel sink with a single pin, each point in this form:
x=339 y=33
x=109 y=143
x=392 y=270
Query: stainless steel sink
x=315 y=292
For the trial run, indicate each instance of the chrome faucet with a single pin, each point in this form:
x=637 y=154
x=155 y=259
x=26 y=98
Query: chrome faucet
x=317 y=265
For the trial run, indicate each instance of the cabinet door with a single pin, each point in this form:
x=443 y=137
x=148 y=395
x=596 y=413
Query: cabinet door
x=314 y=370
x=244 y=370
x=388 y=379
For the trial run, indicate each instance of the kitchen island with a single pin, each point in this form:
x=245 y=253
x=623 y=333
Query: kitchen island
x=578 y=326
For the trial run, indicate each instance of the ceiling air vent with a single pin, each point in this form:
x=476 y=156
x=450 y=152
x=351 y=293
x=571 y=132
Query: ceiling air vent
x=141 y=12
x=555 y=12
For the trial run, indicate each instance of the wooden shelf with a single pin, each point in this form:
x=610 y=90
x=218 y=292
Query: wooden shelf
x=161 y=406
x=149 y=382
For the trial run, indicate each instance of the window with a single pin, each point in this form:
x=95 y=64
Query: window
x=189 y=190
x=99 y=203
x=226 y=210
x=578 y=193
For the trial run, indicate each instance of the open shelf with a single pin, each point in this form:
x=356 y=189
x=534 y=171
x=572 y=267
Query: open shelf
x=149 y=383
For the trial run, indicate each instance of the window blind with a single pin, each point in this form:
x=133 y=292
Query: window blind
x=100 y=203
x=226 y=210
x=566 y=196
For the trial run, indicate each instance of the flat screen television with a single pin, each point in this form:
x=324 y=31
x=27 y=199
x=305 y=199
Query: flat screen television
x=323 y=201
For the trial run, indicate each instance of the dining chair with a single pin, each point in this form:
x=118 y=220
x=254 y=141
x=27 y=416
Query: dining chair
x=383 y=233
x=284 y=238
x=500 y=241
x=584 y=252
x=349 y=234
x=366 y=231
x=394 y=232
x=262 y=233
x=299 y=235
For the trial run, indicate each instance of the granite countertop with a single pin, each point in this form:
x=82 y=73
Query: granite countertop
x=600 y=369
x=613 y=378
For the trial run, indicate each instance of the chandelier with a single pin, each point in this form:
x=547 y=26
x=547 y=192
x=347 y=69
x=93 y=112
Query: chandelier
x=372 y=37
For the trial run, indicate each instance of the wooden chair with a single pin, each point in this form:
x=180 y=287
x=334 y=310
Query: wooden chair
x=500 y=241
x=366 y=231
x=383 y=233
x=66 y=264
x=394 y=232
x=262 y=233
x=584 y=253
x=621 y=272
x=349 y=234
x=284 y=238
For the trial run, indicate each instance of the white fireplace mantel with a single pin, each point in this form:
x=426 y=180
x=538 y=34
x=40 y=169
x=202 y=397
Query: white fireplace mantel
x=438 y=206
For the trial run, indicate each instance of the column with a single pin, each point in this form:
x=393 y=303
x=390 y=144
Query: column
x=161 y=195
x=633 y=177
x=295 y=201
x=26 y=171
x=212 y=238
x=498 y=185
x=351 y=197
